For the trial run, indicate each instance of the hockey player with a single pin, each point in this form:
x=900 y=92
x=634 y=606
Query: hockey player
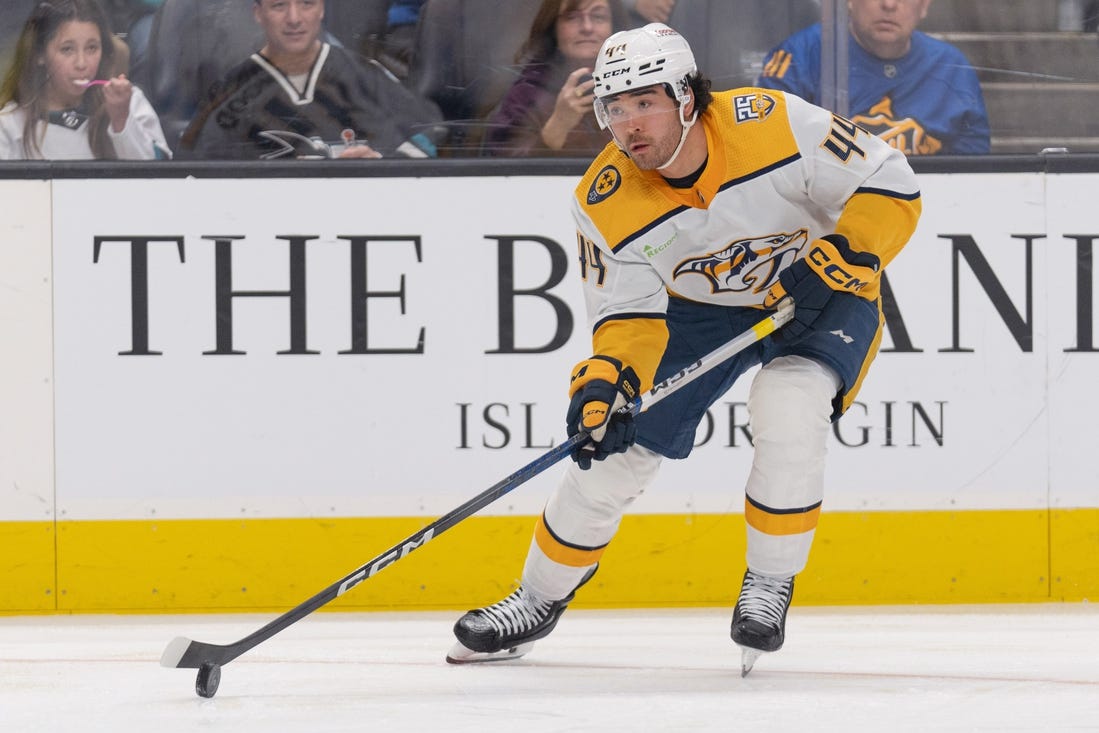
x=706 y=209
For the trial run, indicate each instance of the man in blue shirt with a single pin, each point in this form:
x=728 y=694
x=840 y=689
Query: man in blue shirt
x=918 y=93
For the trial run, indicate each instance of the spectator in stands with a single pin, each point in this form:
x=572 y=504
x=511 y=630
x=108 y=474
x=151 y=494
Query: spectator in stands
x=59 y=99
x=917 y=92
x=301 y=97
x=548 y=110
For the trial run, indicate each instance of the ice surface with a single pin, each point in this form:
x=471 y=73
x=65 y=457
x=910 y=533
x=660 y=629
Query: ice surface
x=986 y=668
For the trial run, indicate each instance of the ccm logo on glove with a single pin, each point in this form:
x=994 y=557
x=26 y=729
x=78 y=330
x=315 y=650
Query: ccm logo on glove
x=833 y=258
x=601 y=386
x=830 y=268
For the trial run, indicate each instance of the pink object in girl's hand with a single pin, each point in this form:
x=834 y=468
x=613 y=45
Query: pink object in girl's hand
x=96 y=82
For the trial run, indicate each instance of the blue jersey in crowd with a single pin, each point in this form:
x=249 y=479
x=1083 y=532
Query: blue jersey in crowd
x=929 y=101
x=404 y=12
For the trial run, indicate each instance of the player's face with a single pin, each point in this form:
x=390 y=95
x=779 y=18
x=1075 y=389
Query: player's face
x=885 y=27
x=646 y=125
x=292 y=27
x=582 y=27
x=72 y=59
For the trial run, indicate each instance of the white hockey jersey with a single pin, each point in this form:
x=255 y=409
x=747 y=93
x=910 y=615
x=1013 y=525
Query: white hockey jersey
x=66 y=134
x=781 y=173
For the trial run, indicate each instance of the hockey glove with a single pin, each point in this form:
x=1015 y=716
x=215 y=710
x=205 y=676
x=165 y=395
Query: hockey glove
x=600 y=386
x=831 y=267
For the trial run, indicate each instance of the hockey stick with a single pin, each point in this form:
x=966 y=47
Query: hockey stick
x=208 y=658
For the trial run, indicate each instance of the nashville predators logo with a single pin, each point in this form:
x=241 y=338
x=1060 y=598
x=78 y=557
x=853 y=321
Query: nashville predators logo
x=746 y=264
x=606 y=182
x=906 y=135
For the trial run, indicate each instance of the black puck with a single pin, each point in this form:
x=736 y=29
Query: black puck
x=208 y=679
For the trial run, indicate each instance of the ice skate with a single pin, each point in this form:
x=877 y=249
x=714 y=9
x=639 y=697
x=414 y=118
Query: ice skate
x=507 y=629
x=759 y=619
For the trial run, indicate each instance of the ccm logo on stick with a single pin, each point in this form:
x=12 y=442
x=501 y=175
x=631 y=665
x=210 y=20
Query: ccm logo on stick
x=384 y=561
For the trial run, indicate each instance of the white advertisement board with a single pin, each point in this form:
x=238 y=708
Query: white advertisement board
x=26 y=378
x=392 y=347
x=1073 y=220
x=345 y=367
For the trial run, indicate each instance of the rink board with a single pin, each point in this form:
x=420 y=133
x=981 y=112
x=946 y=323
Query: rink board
x=227 y=402
x=655 y=561
x=259 y=361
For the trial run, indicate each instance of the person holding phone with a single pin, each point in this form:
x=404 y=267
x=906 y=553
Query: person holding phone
x=548 y=110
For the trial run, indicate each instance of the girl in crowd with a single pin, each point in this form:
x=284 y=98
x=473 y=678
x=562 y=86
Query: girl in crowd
x=548 y=110
x=58 y=100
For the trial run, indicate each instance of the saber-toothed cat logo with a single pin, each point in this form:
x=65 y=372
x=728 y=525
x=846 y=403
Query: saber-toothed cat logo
x=746 y=264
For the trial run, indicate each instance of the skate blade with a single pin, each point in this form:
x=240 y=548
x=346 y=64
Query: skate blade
x=748 y=657
x=460 y=654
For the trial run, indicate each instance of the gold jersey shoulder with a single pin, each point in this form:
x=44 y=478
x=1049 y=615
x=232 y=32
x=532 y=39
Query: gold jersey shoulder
x=755 y=129
x=748 y=132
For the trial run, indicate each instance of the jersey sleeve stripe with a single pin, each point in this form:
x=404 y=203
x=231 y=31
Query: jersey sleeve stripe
x=627 y=317
x=890 y=194
x=635 y=339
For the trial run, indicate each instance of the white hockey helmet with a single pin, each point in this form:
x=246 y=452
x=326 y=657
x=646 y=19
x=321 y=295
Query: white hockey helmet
x=642 y=57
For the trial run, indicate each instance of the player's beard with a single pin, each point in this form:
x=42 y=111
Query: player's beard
x=656 y=154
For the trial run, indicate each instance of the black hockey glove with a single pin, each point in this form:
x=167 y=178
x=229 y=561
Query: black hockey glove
x=600 y=386
x=830 y=267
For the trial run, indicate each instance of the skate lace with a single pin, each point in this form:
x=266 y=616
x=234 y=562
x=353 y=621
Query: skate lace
x=519 y=612
x=764 y=599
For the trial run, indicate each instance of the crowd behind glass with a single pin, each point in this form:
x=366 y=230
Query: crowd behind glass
x=270 y=79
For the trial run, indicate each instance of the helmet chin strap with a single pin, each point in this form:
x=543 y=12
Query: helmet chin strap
x=687 y=125
x=684 y=123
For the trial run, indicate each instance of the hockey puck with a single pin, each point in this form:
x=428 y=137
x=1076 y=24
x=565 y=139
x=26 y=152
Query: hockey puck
x=208 y=679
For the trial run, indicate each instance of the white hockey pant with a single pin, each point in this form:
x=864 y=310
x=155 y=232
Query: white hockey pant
x=790 y=404
x=789 y=408
x=582 y=516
